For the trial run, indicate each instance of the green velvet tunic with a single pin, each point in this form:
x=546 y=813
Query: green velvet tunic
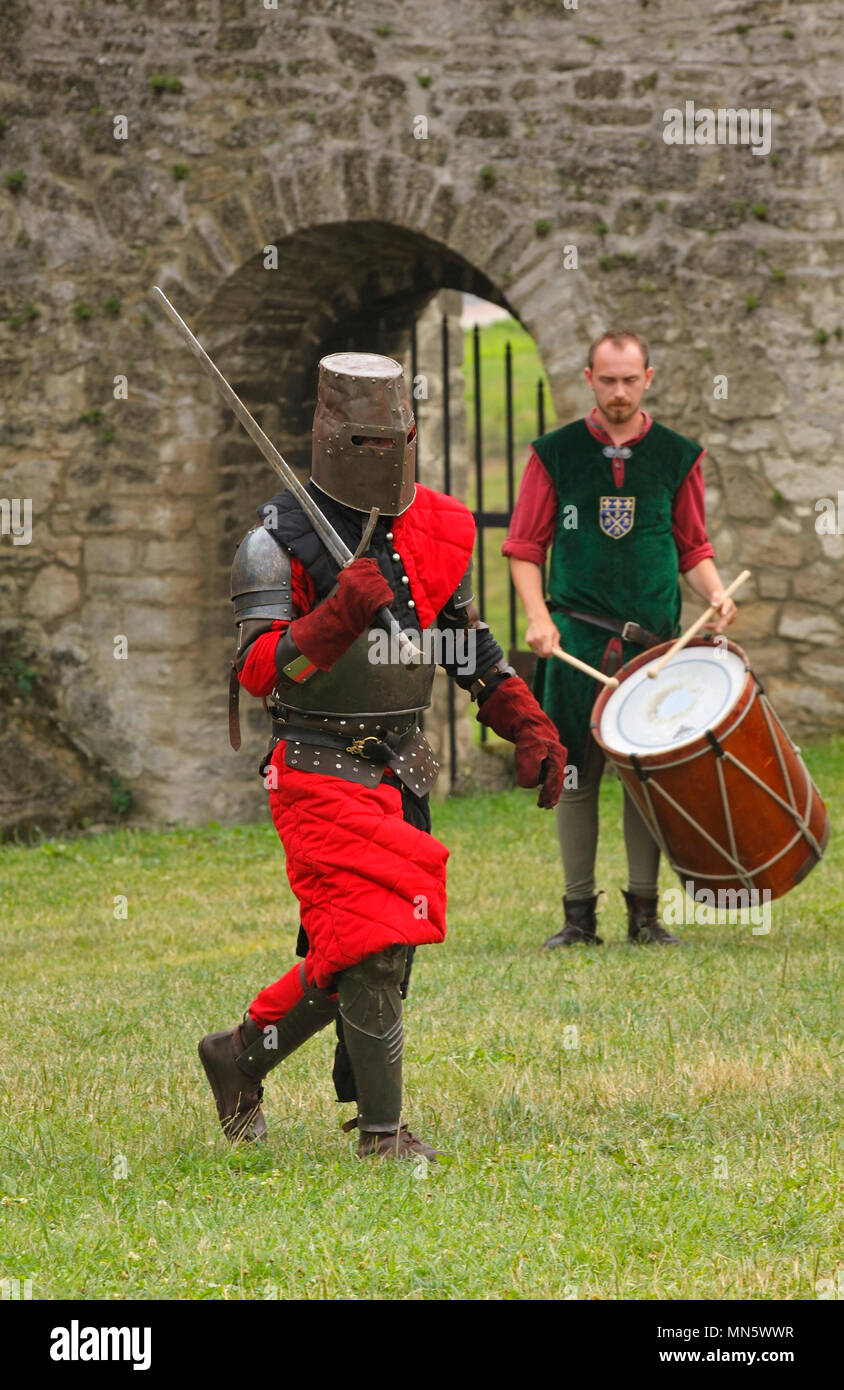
x=613 y=554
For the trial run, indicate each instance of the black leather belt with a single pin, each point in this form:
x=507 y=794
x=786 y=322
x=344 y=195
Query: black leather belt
x=372 y=747
x=628 y=632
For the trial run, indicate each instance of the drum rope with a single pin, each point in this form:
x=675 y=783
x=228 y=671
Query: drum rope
x=739 y=868
x=798 y=818
x=653 y=817
x=731 y=859
x=740 y=872
x=725 y=805
x=767 y=712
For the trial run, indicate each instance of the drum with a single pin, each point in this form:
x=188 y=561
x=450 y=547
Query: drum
x=722 y=787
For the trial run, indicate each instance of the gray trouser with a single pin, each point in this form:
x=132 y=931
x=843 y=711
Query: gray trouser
x=577 y=829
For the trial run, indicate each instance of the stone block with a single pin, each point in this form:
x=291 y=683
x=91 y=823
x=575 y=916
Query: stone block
x=33 y=478
x=111 y=554
x=479 y=124
x=831 y=548
x=599 y=82
x=753 y=621
x=215 y=244
x=804 y=704
x=820 y=583
x=54 y=593
x=139 y=515
x=826 y=669
x=233 y=216
x=67 y=551
x=633 y=217
x=748 y=496
x=126 y=591
x=163 y=557
x=773 y=583
x=777 y=544
x=805 y=624
x=806 y=478
x=770 y=657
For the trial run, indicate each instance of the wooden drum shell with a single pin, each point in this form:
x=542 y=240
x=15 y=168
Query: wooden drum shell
x=717 y=826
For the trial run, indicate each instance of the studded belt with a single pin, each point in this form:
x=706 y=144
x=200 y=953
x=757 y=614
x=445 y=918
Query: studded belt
x=360 y=749
x=366 y=746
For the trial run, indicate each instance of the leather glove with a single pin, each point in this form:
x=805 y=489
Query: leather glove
x=330 y=629
x=512 y=712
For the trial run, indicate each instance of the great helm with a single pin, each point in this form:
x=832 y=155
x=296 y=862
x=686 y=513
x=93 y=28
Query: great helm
x=364 y=441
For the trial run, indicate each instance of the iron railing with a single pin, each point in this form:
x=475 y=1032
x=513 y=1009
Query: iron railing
x=485 y=520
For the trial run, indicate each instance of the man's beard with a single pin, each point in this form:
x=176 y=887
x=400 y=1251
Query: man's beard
x=620 y=413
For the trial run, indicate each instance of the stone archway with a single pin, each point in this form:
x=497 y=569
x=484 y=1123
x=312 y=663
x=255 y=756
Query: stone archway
x=264 y=129
x=266 y=328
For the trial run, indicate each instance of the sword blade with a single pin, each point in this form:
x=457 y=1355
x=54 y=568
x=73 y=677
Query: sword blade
x=334 y=544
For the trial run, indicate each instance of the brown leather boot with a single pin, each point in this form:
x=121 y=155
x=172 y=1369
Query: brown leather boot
x=643 y=927
x=400 y=1144
x=237 y=1061
x=579 y=926
x=238 y=1096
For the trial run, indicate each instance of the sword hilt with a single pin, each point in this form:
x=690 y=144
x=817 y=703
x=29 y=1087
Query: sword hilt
x=387 y=620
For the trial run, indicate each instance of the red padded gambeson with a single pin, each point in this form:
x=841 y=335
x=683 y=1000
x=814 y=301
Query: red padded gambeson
x=365 y=879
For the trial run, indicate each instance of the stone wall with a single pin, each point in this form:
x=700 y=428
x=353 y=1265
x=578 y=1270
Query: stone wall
x=297 y=128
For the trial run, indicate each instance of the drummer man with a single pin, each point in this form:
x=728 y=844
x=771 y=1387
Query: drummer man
x=619 y=499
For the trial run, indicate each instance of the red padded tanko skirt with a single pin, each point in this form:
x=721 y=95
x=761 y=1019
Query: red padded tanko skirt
x=364 y=878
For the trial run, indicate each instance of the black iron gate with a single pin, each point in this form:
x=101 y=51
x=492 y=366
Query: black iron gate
x=484 y=520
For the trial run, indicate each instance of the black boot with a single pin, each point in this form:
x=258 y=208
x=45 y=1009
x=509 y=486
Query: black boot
x=643 y=927
x=371 y=1010
x=579 y=926
x=237 y=1060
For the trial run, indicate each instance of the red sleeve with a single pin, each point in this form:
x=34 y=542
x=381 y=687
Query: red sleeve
x=258 y=674
x=534 y=515
x=688 y=519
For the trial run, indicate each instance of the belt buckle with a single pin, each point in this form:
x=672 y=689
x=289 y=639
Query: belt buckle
x=627 y=631
x=357 y=746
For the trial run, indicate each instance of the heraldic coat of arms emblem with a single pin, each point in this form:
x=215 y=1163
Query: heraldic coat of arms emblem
x=616 y=516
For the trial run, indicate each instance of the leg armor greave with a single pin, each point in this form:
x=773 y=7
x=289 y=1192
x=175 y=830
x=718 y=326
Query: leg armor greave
x=371 y=1011
x=266 y=1047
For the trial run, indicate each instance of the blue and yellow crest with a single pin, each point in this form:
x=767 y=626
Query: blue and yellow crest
x=616 y=516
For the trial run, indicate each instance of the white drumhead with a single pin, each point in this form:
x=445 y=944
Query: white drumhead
x=690 y=695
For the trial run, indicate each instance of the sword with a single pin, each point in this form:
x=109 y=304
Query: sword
x=334 y=544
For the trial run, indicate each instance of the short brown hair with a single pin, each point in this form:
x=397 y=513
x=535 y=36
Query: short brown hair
x=618 y=337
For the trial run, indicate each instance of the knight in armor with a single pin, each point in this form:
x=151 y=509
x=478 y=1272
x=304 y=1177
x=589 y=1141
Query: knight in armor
x=349 y=771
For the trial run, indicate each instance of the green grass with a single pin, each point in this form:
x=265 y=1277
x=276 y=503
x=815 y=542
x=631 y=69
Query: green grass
x=687 y=1146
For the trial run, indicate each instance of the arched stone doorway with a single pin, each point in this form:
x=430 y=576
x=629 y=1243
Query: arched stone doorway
x=335 y=286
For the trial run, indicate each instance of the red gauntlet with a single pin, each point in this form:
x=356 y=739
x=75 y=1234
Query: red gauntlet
x=325 y=634
x=512 y=712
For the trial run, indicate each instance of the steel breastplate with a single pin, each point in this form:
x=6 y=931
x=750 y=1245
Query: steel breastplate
x=357 y=685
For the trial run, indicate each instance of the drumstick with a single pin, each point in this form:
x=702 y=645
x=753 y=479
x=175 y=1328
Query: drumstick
x=653 y=671
x=581 y=666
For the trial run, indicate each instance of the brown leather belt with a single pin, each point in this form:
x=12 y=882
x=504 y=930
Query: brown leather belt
x=627 y=631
